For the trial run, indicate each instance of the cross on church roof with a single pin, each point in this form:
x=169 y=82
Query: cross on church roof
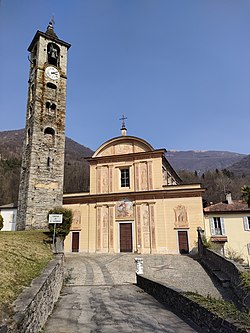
x=50 y=28
x=123 y=129
x=123 y=121
x=52 y=20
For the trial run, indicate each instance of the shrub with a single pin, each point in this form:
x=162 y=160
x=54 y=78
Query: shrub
x=206 y=243
x=62 y=229
x=1 y=222
x=234 y=255
x=245 y=276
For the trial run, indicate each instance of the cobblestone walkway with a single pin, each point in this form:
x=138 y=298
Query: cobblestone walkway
x=100 y=295
x=181 y=272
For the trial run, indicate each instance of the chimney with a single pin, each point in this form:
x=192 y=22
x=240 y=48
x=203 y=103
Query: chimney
x=229 y=198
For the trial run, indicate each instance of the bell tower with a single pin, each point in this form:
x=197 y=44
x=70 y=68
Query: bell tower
x=41 y=182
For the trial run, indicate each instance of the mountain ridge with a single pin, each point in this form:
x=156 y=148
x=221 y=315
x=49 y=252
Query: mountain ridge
x=193 y=160
x=76 y=167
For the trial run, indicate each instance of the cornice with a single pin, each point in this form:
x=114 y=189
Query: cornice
x=49 y=37
x=133 y=196
x=126 y=157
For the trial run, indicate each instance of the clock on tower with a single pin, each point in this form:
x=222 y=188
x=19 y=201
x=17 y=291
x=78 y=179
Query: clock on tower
x=41 y=183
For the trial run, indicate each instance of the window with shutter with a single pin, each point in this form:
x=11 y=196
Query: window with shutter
x=222 y=225
x=212 y=228
x=248 y=248
x=217 y=226
x=246 y=223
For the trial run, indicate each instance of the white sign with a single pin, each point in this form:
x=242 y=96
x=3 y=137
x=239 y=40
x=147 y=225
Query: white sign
x=55 y=218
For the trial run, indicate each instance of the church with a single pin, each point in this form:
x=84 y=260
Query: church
x=136 y=203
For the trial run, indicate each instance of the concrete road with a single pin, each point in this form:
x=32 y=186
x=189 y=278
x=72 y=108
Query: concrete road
x=98 y=299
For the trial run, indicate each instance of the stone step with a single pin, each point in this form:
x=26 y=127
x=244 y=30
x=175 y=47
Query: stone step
x=222 y=278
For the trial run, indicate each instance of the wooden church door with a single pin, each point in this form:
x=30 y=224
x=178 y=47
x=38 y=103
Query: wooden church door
x=126 y=237
x=75 y=241
x=183 y=242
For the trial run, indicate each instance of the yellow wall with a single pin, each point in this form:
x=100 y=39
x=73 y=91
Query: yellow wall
x=155 y=219
x=166 y=230
x=108 y=175
x=237 y=237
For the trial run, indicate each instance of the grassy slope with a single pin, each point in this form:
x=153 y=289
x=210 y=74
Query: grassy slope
x=23 y=255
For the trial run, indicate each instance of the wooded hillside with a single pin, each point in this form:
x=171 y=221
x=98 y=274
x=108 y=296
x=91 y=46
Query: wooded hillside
x=76 y=170
x=219 y=172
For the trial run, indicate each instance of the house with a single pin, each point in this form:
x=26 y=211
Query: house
x=227 y=226
x=9 y=213
x=136 y=203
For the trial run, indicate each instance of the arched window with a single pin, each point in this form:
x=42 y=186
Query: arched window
x=28 y=136
x=51 y=85
x=47 y=105
x=34 y=56
x=30 y=111
x=32 y=91
x=49 y=136
x=53 y=53
x=50 y=108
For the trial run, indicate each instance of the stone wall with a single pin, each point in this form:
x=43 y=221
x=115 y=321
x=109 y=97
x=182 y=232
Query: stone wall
x=35 y=304
x=212 y=260
x=188 y=309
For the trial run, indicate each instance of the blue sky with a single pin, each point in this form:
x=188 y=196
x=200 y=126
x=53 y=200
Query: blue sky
x=178 y=69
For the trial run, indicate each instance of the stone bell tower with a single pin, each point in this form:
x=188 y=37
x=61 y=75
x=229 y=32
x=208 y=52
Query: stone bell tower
x=41 y=183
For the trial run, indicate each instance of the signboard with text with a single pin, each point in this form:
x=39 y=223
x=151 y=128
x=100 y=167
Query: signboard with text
x=55 y=218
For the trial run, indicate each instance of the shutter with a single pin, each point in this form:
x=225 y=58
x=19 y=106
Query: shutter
x=248 y=248
x=212 y=227
x=222 y=226
x=245 y=223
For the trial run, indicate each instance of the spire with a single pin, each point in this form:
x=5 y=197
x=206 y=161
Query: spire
x=123 y=129
x=50 y=28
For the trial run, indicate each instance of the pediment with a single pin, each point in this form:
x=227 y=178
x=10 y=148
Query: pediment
x=123 y=145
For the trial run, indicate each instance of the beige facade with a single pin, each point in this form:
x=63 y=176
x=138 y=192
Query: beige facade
x=135 y=204
x=228 y=227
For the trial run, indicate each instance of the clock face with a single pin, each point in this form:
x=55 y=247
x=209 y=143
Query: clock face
x=52 y=73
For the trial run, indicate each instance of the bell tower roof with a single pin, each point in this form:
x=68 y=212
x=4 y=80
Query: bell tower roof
x=50 y=29
x=49 y=34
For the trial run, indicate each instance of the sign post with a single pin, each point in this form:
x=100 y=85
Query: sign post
x=55 y=219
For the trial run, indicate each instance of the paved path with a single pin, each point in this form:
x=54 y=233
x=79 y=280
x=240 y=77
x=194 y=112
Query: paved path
x=181 y=272
x=100 y=295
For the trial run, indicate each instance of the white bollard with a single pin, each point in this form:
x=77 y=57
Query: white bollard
x=139 y=265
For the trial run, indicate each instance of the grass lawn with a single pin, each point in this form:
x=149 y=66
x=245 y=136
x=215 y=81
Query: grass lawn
x=23 y=254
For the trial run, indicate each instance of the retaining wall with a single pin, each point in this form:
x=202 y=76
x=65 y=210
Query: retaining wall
x=35 y=304
x=186 y=308
x=213 y=260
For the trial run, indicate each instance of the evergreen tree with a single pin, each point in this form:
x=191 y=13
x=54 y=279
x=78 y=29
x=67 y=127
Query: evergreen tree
x=245 y=190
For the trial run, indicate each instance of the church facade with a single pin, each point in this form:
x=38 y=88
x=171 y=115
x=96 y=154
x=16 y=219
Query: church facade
x=136 y=203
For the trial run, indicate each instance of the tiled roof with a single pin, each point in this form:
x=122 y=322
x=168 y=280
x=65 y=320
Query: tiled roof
x=236 y=206
x=50 y=30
